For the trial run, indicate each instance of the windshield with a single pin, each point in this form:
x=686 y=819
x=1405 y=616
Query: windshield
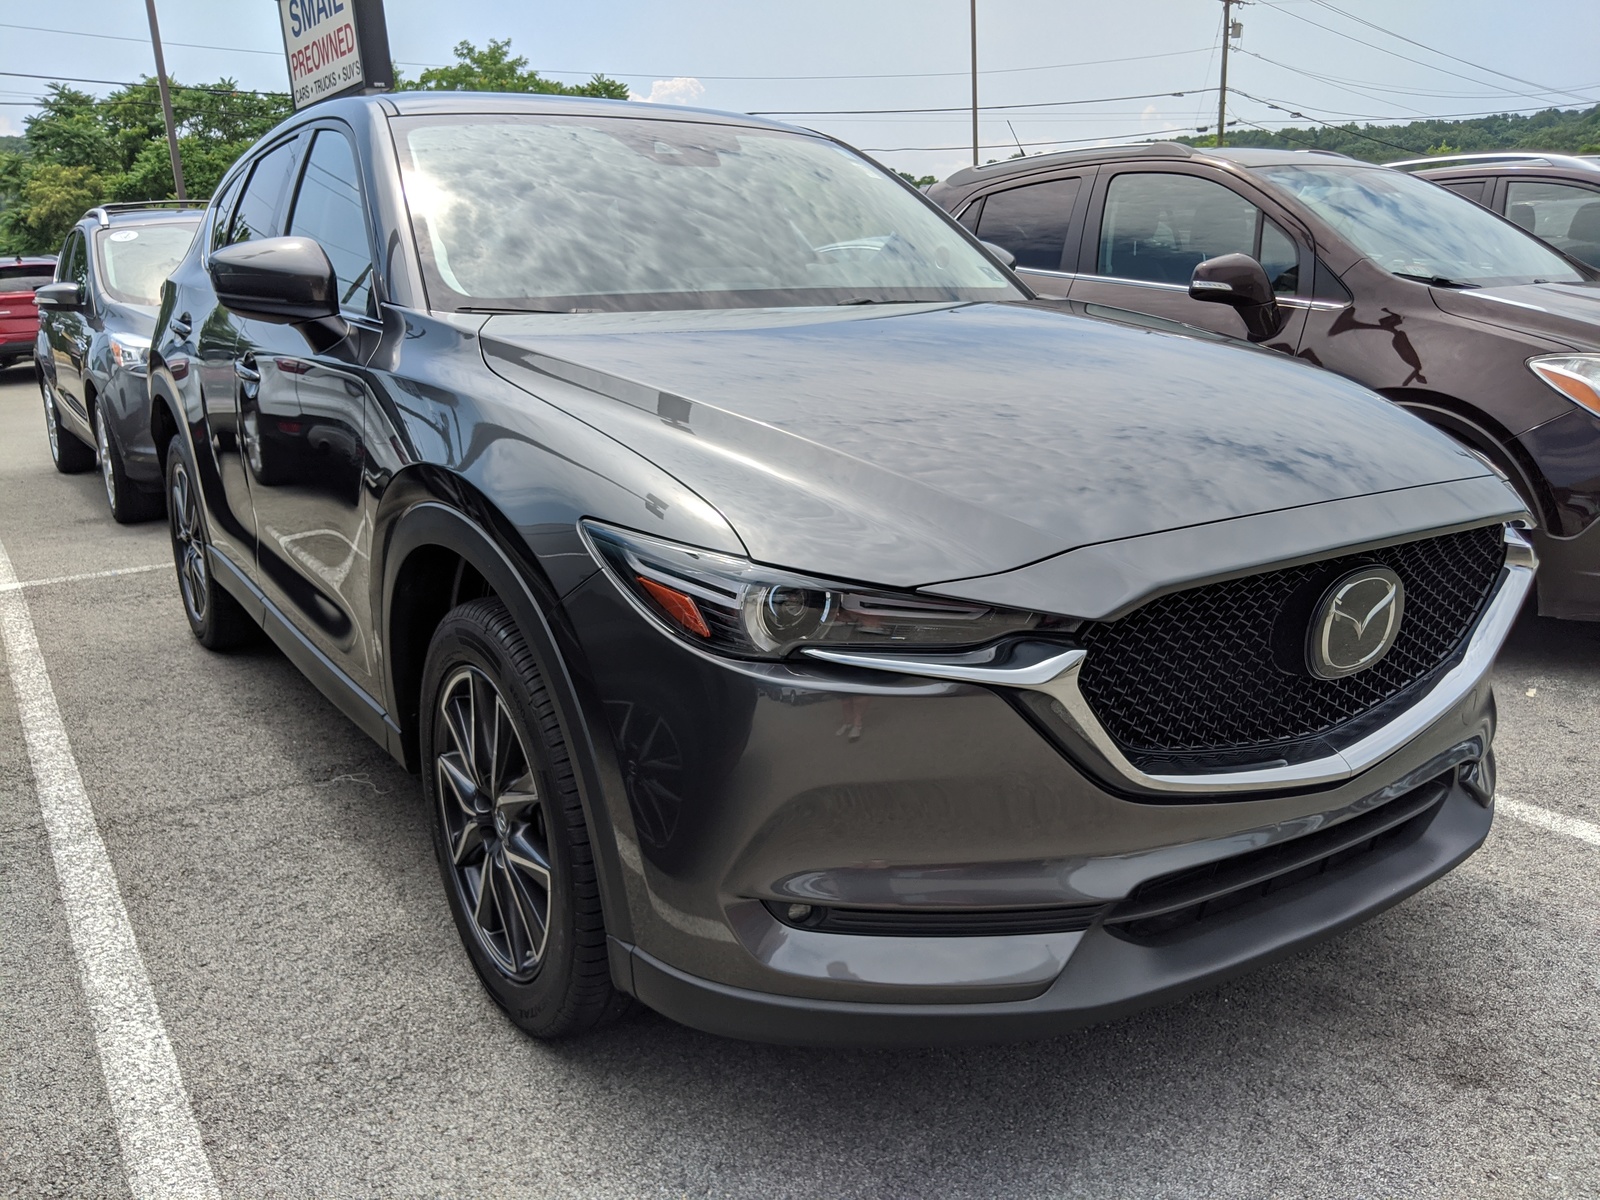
x=135 y=261
x=616 y=214
x=1414 y=228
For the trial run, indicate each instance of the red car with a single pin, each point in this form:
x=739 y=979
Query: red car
x=19 y=319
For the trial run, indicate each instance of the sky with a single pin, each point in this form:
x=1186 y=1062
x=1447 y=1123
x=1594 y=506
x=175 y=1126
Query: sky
x=1088 y=72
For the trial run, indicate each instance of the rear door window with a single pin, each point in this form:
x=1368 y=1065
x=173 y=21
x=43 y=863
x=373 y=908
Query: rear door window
x=1472 y=189
x=1031 y=221
x=1158 y=227
x=1563 y=214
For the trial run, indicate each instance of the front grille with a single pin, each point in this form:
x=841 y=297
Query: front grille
x=1204 y=671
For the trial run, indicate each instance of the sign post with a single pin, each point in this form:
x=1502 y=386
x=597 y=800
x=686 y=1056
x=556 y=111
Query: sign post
x=335 y=48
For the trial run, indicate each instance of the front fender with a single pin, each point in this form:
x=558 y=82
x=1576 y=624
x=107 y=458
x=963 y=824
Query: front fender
x=418 y=516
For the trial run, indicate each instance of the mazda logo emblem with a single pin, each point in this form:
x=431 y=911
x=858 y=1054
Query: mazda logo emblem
x=1355 y=623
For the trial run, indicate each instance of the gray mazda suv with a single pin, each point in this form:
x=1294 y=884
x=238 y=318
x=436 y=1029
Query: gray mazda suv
x=794 y=626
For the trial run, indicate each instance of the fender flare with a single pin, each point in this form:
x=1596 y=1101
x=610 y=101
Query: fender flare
x=433 y=522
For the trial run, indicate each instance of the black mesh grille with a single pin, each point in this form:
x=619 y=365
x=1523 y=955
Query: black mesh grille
x=1196 y=671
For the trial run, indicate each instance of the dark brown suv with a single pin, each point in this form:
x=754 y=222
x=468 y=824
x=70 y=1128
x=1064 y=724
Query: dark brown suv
x=1453 y=312
x=1555 y=197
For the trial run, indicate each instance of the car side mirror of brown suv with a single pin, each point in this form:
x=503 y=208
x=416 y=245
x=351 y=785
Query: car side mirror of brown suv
x=1239 y=280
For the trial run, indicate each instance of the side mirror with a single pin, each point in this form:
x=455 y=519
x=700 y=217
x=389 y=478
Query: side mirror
x=1239 y=280
x=284 y=280
x=66 y=296
x=1005 y=256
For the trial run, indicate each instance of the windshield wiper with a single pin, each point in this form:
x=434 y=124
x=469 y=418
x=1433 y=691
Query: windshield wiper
x=1436 y=280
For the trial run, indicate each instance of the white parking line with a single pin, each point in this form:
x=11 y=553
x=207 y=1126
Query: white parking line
x=15 y=586
x=1575 y=827
x=162 y=1155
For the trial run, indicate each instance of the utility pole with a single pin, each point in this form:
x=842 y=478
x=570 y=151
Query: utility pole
x=166 y=100
x=1229 y=26
x=974 y=82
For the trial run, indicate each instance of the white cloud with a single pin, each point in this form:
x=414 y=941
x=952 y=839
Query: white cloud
x=682 y=90
x=9 y=128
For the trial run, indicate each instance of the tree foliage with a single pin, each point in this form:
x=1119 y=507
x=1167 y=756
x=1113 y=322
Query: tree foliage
x=80 y=150
x=493 y=69
x=1559 y=131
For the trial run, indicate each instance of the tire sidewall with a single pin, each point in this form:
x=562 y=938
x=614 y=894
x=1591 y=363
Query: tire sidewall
x=537 y=1003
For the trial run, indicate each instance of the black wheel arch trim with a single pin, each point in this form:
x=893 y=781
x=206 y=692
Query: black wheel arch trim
x=433 y=521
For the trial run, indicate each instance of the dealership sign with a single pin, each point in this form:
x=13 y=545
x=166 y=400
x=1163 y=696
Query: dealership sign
x=335 y=48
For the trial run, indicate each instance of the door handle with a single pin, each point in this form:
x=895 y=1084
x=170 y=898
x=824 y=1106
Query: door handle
x=245 y=373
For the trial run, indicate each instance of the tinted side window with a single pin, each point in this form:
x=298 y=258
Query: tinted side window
x=1565 y=215
x=969 y=215
x=257 y=214
x=1472 y=189
x=1279 y=257
x=224 y=211
x=1158 y=228
x=1031 y=221
x=74 y=262
x=328 y=209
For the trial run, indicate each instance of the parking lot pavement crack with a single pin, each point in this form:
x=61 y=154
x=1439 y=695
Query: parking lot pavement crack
x=162 y=1153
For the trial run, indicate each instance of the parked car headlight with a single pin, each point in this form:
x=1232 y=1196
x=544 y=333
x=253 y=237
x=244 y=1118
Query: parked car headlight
x=735 y=606
x=130 y=353
x=1575 y=376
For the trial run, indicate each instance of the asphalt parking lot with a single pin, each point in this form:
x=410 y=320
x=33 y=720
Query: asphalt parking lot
x=278 y=877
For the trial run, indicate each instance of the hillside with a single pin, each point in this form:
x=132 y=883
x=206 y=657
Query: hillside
x=1569 y=131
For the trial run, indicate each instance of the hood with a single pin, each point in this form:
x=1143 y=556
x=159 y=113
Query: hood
x=917 y=444
x=1562 y=312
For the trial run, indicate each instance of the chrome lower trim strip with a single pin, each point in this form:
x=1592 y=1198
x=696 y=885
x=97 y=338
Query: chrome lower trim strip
x=1055 y=673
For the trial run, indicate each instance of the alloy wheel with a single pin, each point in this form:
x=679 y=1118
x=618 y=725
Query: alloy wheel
x=50 y=425
x=495 y=824
x=188 y=543
x=102 y=441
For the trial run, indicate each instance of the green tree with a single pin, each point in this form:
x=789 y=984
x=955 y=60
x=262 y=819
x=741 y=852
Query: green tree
x=79 y=150
x=493 y=69
x=917 y=181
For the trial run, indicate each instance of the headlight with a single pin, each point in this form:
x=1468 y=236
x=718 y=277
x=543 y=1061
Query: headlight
x=130 y=353
x=734 y=606
x=1575 y=376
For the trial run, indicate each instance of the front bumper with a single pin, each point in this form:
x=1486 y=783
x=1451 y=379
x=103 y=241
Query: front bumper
x=1106 y=976
x=735 y=790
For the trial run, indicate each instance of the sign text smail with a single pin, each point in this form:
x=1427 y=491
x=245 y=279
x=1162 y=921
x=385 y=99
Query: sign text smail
x=324 y=54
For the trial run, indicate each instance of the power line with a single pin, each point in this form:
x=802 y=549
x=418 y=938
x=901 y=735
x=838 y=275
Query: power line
x=1442 y=53
x=1382 y=50
x=1431 y=93
x=1098 y=62
x=182 y=87
x=1332 y=125
x=1008 y=145
x=859 y=112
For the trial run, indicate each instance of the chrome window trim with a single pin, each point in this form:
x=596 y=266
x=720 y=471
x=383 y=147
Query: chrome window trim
x=1056 y=675
x=1284 y=301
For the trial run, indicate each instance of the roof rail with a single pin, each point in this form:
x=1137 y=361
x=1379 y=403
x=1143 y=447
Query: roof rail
x=101 y=212
x=1529 y=157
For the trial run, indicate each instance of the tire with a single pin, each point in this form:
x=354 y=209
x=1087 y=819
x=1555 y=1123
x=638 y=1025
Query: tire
x=511 y=837
x=129 y=504
x=216 y=619
x=70 y=455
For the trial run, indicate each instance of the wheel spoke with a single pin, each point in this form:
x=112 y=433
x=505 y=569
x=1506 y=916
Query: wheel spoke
x=453 y=775
x=468 y=844
x=482 y=900
x=530 y=861
x=530 y=910
x=457 y=725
